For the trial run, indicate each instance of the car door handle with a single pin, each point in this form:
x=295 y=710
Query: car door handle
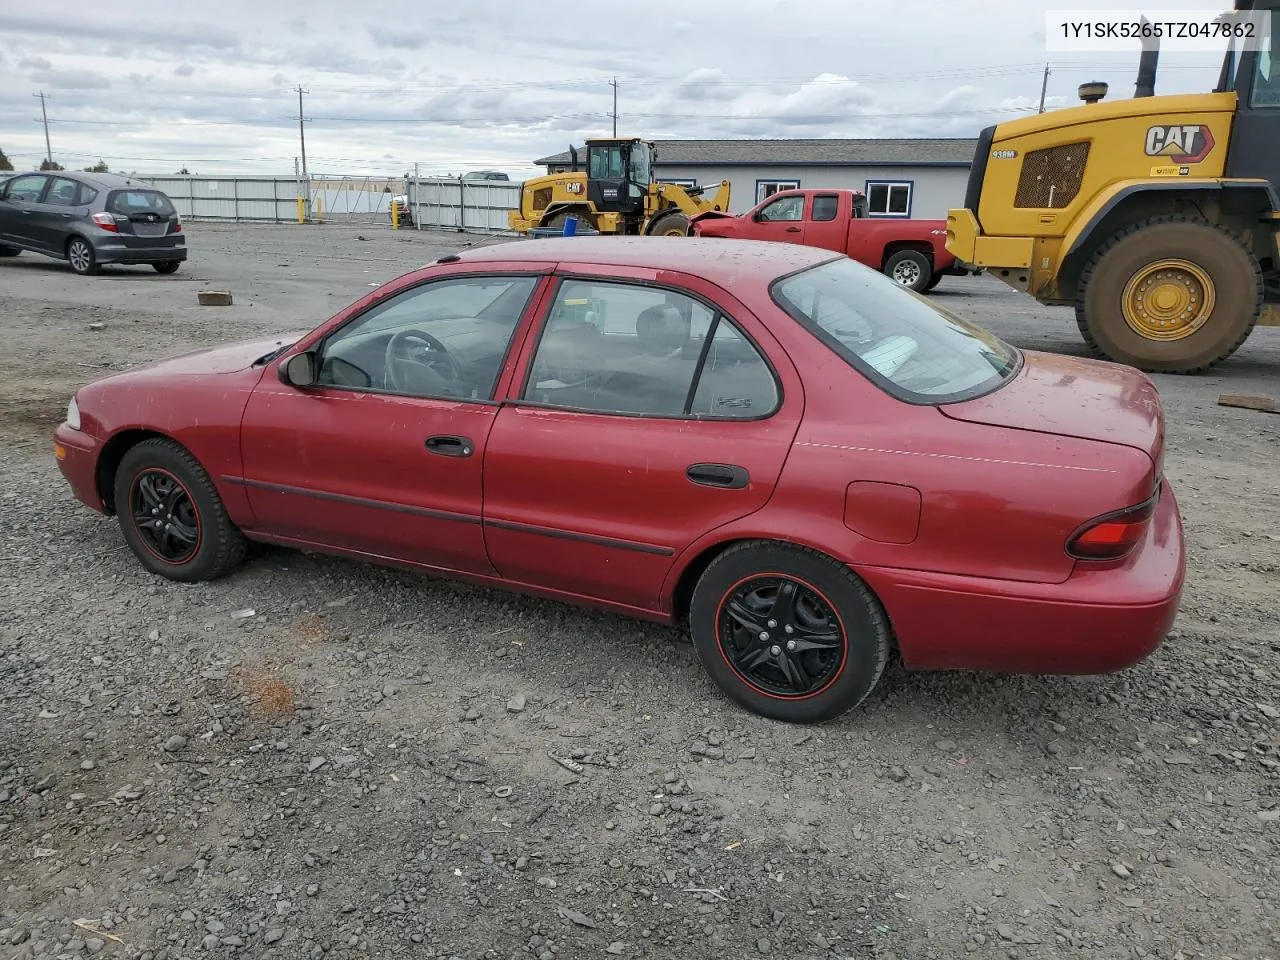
x=793 y=229
x=449 y=446
x=725 y=475
x=67 y=216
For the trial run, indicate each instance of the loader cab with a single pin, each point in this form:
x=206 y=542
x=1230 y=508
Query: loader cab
x=1254 y=75
x=618 y=175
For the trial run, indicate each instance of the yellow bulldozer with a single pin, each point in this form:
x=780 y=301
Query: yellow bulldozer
x=1156 y=217
x=615 y=194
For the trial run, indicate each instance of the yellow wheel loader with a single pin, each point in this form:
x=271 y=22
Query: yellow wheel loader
x=616 y=194
x=1156 y=217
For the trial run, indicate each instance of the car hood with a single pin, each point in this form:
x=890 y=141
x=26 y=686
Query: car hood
x=1074 y=397
x=228 y=358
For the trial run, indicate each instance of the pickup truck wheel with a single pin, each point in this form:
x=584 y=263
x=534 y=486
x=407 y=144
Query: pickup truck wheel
x=933 y=281
x=9 y=251
x=670 y=225
x=1170 y=294
x=911 y=268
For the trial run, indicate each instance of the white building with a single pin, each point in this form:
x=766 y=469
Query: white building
x=920 y=178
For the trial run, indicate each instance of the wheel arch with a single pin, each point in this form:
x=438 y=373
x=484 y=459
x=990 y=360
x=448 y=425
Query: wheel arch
x=1236 y=205
x=897 y=246
x=113 y=452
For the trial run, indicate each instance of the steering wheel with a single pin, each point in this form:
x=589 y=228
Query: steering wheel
x=423 y=352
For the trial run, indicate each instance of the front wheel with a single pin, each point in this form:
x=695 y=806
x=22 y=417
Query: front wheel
x=910 y=268
x=169 y=266
x=81 y=257
x=1172 y=294
x=787 y=632
x=171 y=515
x=674 y=224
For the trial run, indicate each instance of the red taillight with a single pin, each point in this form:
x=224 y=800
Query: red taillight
x=106 y=221
x=1112 y=535
x=177 y=226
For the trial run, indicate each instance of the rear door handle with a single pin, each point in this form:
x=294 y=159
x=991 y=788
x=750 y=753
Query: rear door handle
x=449 y=446
x=726 y=475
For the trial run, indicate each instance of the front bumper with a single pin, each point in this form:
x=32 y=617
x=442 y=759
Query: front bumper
x=76 y=454
x=1104 y=618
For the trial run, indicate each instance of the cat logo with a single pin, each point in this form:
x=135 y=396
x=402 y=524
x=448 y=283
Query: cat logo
x=573 y=187
x=1180 y=143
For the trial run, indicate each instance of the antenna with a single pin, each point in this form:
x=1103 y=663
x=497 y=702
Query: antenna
x=1044 y=87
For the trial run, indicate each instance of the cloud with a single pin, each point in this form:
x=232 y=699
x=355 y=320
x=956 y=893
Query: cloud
x=34 y=63
x=71 y=79
x=398 y=38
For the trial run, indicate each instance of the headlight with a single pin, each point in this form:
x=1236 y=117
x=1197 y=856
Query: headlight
x=73 y=415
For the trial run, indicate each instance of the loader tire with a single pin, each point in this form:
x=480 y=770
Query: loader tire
x=1169 y=294
x=673 y=224
x=557 y=220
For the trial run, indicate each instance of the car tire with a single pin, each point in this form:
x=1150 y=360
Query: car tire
x=933 y=281
x=910 y=268
x=751 y=661
x=9 y=251
x=160 y=479
x=81 y=257
x=1189 y=252
x=169 y=266
x=670 y=224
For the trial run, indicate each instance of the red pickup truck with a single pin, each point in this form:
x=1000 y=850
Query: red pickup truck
x=912 y=252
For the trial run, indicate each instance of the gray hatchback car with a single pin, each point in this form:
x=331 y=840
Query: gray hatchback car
x=89 y=219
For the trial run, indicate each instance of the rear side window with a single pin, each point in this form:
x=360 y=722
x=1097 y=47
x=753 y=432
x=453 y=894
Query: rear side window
x=87 y=195
x=130 y=202
x=825 y=206
x=903 y=342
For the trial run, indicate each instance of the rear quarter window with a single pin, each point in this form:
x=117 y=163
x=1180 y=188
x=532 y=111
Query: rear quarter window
x=902 y=341
x=129 y=202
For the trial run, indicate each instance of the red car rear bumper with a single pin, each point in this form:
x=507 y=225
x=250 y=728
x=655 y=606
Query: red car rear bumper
x=1101 y=620
x=76 y=454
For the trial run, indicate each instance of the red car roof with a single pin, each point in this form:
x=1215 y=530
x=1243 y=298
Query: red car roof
x=708 y=257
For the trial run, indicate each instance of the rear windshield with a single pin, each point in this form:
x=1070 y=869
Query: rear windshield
x=902 y=341
x=128 y=202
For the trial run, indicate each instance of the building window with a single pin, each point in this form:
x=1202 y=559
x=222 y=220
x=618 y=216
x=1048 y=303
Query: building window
x=678 y=182
x=767 y=188
x=888 y=199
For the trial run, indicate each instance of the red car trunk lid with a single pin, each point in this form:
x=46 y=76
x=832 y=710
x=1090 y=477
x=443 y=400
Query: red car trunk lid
x=1074 y=397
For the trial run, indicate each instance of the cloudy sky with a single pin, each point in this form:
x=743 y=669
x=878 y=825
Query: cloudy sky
x=152 y=87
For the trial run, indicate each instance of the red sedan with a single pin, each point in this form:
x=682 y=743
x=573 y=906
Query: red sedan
x=784 y=450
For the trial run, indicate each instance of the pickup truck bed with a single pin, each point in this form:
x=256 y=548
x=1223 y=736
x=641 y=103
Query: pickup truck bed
x=912 y=252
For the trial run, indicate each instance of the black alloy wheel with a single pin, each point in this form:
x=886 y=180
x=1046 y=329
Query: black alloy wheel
x=787 y=632
x=165 y=516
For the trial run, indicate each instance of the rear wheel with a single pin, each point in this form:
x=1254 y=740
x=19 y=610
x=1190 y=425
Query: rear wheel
x=787 y=632
x=933 y=281
x=9 y=251
x=1171 y=294
x=911 y=268
x=171 y=515
x=81 y=256
x=169 y=266
x=673 y=224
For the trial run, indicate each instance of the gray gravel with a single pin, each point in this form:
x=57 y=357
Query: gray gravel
x=320 y=759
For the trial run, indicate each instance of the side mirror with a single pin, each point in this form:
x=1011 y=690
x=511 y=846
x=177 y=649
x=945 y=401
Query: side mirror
x=299 y=370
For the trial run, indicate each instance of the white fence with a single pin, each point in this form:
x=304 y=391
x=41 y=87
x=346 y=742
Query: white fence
x=479 y=206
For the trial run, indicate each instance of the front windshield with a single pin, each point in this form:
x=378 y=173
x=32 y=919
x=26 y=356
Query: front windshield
x=903 y=342
x=1266 y=84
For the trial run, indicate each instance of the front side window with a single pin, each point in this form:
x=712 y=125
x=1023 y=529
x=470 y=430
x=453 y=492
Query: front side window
x=618 y=348
x=783 y=209
x=605 y=163
x=446 y=338
x=903 y=342
x=26 y=188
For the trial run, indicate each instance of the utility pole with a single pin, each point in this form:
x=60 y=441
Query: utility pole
x=48 y=150
x=614 y=83
x=1044 y=87
x=302 y=134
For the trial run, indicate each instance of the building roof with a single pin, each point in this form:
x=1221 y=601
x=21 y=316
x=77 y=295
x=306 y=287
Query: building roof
x=927 y=151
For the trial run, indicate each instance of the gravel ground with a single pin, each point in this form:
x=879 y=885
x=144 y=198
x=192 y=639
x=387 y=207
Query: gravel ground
x=316 y=758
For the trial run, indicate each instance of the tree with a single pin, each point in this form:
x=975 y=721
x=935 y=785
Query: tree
x=5 y=163
x=98 y=167
x=184 y=172
x=51 y=165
